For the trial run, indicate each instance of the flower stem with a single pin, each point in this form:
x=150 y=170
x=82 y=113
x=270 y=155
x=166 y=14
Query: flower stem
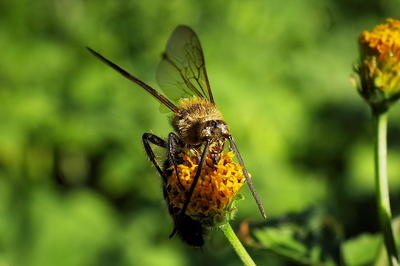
x=237 y=245
x=382 y=187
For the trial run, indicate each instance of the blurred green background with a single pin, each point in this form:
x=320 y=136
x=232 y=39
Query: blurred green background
x=76 y=187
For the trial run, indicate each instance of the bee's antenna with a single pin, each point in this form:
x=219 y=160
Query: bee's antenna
x=124 y=73
x=247 y=176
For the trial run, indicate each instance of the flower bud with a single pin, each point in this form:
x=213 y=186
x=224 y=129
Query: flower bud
x=379 y=65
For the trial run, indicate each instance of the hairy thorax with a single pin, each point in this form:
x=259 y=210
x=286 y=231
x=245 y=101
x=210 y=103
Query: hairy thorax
x=200 y=121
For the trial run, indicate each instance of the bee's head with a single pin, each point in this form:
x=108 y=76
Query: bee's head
x=213 y=130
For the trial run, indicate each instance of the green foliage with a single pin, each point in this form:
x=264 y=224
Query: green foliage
x=75 y=185
x=355 y=249
x=306 y=238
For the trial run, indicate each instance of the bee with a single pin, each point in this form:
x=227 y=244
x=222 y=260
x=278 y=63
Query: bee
x=199 y=126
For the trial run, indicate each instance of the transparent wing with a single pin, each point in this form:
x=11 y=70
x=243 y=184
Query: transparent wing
x=182 y=71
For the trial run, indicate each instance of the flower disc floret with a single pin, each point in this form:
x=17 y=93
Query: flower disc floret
x=215 y=192
x=379 y=66
x=383 y=42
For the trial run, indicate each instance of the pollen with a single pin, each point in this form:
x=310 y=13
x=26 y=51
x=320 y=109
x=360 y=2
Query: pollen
x=215 y=192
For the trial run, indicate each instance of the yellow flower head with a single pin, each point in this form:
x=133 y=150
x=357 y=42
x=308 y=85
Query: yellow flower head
x=383 y=42
x=379 y=66
x=214 y=196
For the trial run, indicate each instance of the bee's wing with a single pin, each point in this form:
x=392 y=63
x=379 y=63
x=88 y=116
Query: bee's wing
x=182 y=71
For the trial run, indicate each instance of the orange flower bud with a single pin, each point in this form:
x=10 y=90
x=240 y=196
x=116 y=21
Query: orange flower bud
x=379 y=66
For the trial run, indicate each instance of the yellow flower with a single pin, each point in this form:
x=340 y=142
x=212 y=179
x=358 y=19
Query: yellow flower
x=213 y=198
x=379 y=66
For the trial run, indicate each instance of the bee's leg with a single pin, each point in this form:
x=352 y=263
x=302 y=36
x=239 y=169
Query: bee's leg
x=147 y=138
x=191 y=190
x=212 y=166
x=189 y=230
x=195 y=150
x=174 y=147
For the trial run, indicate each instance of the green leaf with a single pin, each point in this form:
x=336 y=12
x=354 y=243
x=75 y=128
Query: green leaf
x=362 y=250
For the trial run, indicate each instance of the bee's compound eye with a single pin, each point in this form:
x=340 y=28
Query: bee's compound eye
x=206 y=132
x=224 y=129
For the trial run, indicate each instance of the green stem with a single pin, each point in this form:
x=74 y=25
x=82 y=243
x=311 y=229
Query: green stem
x=237 y=245
x=382 y=187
